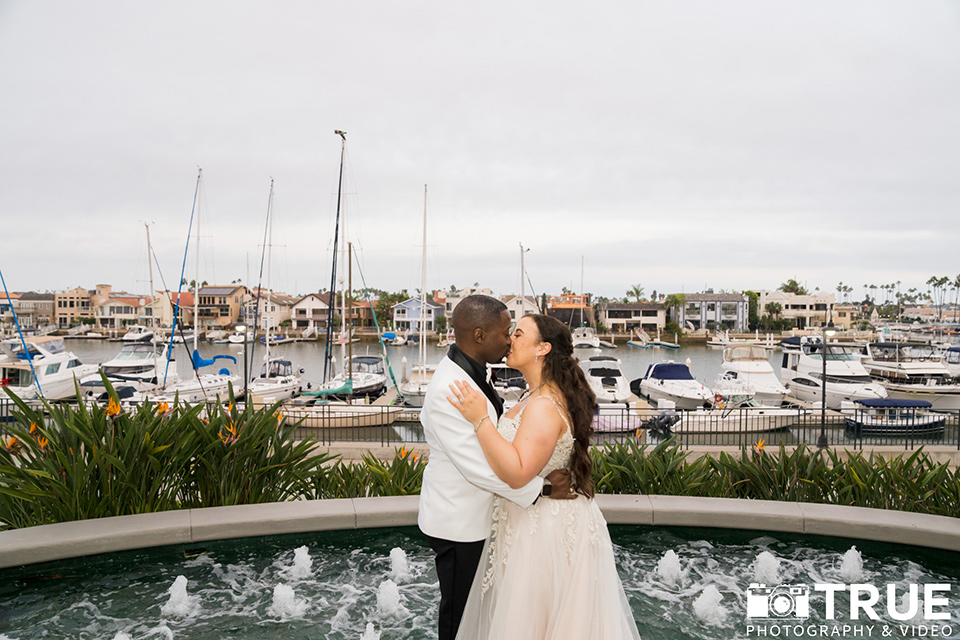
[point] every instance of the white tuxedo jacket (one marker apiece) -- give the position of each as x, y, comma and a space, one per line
456, 500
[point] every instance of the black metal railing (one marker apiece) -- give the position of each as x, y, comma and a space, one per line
387, 425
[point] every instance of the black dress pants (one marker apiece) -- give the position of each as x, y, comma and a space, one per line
457, 564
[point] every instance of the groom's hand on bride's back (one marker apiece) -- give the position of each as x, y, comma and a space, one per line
561, 487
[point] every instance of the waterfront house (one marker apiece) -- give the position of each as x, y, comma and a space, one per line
406, 315
309, 313
221, 306
6, 312
572, 309
624, 317
73, 306
807, 311
450, 299
122, 309
520, 307
35, 310
713, 312
278, 305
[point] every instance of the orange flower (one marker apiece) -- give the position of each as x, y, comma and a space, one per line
113, 408
759, 447
33, 427
403, 452
163, 408
43, 442
11, 443
279, 417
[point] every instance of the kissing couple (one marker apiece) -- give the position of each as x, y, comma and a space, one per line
522, 550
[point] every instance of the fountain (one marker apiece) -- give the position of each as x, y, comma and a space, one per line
376, 584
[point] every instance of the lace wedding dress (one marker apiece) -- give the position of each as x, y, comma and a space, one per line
547, 571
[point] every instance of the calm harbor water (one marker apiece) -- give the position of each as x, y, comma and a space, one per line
704, 361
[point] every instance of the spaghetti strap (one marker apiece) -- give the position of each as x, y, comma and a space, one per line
560, 409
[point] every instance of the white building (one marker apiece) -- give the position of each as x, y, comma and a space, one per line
520, 307
310, 312
807, 311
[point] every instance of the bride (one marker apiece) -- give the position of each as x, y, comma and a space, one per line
547, 571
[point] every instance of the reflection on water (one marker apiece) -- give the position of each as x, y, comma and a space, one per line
681, 583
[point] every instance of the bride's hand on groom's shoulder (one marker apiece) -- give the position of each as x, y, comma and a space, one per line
471, 404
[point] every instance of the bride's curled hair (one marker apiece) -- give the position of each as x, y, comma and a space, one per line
562, 369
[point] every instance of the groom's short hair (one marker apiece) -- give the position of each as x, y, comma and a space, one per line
476, 311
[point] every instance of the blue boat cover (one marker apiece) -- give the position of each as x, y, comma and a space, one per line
390, 336
954, 349
200, 361
671, 371
895, 402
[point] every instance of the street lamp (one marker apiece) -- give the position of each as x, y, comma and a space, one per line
243, 328
827, 331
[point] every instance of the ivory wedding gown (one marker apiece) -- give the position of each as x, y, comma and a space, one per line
547, 572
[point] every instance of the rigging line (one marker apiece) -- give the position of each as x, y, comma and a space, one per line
534, 292
376, 325
332, 300
23, 340
173, 329
256, 312
183, 267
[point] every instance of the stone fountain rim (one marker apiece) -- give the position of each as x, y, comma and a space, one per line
31, 545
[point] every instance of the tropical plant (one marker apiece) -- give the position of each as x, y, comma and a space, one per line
792, 286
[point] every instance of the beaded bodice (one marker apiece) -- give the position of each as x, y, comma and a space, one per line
560, 458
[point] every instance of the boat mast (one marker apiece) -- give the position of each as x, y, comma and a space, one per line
422, 353
153, 307
583, 297
196, 283
350, 287
269, 314
523, 291
332, 295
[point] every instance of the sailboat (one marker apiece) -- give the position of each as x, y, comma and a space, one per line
202, 387
138, 366
413, 388
326, 413
277, 379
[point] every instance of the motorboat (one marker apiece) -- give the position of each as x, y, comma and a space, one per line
448, 339
341, 415
913, 371
749, 364
737, 413
239, 336
508, 382
801, 372
40, 366
278, 380
585, 338
951, 358
202, 387
137, 333
892, 416
606, 379
139, 366
673, 382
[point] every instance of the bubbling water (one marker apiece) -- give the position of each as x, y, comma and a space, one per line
707, 606
668, 568
399, 567
302, 563
285, 603
851, 567
180, 602
371, 633
388, 600
767, 569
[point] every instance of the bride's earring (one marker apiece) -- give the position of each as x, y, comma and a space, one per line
536, 358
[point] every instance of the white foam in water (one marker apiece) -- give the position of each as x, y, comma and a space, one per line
388, 600
302, 563
707, 606
767, 569
371, 633
668, 568
399, 567
851, 567
285, 603
180, 603
121, 636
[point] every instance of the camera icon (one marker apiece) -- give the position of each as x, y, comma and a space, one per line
782, 601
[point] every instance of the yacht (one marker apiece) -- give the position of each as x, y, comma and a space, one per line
890, 416
202, 387
140, 366
367, 377
749, 364
801, 371
585, 338
508, 382
43, 369
737, 413
137, 333
913, 371
606, 379
277, 381
951, 358
672, 381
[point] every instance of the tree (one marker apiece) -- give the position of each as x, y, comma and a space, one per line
636, 292
792, 286
774, 309
675, 301
753, 302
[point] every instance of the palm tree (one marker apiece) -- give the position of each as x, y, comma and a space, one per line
773, 309
675, 301
636, 292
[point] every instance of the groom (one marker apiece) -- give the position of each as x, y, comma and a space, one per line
458, 485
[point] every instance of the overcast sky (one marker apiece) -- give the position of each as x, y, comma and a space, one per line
675, 145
